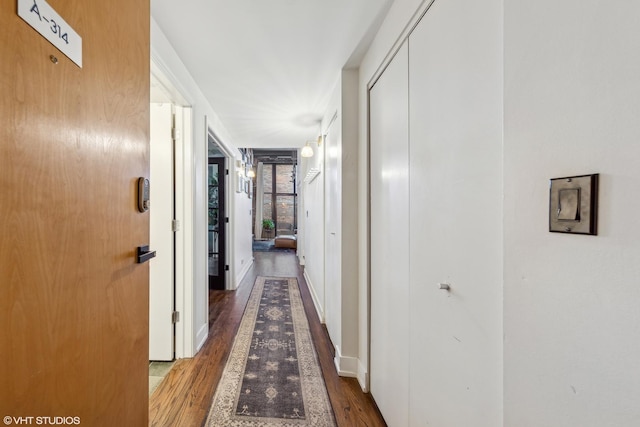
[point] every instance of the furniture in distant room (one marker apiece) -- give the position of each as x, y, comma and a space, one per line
286, 241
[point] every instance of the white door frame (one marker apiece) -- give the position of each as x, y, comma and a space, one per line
184, 183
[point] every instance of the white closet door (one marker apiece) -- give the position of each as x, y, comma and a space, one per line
389, 153
456, 214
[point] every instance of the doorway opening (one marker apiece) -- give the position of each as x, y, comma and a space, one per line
216, 214
218, 237
171, 333
161, 234
275, 205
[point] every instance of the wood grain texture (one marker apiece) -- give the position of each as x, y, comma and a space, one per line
185, 395
73, 303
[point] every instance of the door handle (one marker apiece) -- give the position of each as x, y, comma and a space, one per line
143, 254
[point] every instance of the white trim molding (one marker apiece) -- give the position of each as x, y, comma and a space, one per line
201, 338
363, 376
314, 297
243, 273
346, 366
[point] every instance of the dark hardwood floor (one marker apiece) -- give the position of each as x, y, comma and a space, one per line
184, 397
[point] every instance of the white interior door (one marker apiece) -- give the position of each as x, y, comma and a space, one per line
389, 175
456, 209
161, 273
333, 249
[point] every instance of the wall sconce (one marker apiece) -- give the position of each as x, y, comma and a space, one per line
239, 167
251, 173
307, 151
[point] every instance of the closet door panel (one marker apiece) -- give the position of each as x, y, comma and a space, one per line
456, 213
389, 179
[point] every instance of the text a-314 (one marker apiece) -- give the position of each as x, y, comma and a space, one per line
55, 28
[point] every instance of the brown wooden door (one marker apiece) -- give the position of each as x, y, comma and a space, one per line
73, 141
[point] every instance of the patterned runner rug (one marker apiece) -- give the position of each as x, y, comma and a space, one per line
272, 377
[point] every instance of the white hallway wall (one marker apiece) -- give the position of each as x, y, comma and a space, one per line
241, 218
340, 126
197, 289
332, 207
349, 221
242, 235
330, 224
571, 303
313, 218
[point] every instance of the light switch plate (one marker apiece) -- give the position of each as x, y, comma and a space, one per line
573, 205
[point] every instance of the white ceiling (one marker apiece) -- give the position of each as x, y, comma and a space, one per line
268, 67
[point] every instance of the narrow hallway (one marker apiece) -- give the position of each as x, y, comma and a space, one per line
185, 395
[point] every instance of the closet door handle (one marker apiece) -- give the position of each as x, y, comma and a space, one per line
143, 254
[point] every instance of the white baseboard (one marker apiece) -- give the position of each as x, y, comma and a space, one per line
314, 297
243, 272
363, 377
201, 337
346, 366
